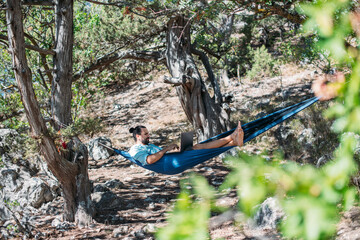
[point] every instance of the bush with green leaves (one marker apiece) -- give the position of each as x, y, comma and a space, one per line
303, 49
311, 198
262, 64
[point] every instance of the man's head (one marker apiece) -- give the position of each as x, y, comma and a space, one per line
140, 134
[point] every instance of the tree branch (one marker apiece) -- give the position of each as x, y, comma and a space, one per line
176, 81
16, 113
293, 17
214, 82
143, 56
211, 52
263, 11
4, 117
118, 3
31, 47
38, 2
43, 60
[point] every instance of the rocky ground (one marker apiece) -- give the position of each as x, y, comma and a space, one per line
133, 202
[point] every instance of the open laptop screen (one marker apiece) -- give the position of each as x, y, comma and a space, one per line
186, 140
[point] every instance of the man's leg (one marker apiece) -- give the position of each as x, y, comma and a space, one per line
234, 139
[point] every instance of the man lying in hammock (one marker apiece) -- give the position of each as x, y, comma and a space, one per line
147, 153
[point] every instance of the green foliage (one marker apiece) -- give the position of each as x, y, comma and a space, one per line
311, 198
263, 64
103, 30
11, 204
88, 126
190, 216
38, 28
21, 143
10, 103
303, 49
1, 164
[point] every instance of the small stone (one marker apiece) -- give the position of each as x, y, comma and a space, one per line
122, 230
139, 234
150, 228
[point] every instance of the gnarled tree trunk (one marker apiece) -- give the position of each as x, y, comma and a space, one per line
72, 172
207, 117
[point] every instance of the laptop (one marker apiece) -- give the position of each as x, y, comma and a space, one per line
186, 141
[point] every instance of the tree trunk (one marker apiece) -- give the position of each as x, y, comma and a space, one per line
72, 175
61, 85
207, 117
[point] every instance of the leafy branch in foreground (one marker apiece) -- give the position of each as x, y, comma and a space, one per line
312, 198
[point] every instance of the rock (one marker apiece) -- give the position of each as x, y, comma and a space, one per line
4, 233
149, 228
105, 200
145, 84
100, 188
140, 234
54, 186
248, 105
208, 169
7, 139
284, 132
49, 208
114, 183
322, 160
263, 103
228, 97
62, 225
161, 200
96, 149
269, 214
37, 191
22, 191
122, 230
306, 137
148, 199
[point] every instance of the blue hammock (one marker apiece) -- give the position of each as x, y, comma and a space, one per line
177, 162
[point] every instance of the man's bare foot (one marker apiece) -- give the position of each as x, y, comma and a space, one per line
238, 136
234, 135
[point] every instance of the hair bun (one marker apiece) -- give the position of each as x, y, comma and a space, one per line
131, 130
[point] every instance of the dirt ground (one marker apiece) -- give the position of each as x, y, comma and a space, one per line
145, 198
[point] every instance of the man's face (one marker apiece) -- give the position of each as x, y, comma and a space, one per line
144, 137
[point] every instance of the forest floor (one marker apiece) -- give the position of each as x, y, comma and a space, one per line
145, 198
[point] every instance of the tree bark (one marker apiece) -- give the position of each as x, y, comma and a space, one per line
72, 175
61, 85
78, 205
207, 117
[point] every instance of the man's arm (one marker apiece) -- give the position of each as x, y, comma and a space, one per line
153, 158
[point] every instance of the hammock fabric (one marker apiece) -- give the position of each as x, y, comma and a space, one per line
174, 163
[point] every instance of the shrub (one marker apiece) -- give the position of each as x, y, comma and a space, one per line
263, 64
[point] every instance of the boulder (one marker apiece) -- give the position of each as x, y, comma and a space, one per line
114, 183
269, 214
97, 150
100, 188
22, 191
37, 192
7, 139
105, 200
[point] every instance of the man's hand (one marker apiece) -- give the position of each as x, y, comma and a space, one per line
153, 158
171, 147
